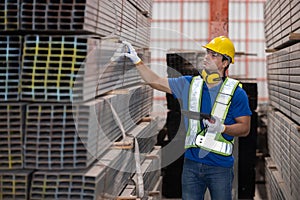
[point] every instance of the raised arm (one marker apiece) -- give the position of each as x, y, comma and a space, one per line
150, 77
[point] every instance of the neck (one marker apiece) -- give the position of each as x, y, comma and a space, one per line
211, 78
211, 85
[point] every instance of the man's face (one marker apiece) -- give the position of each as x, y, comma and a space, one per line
213, 61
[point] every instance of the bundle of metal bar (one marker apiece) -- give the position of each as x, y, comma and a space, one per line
90, 16
156, 193
71, 68
275, 182
151, 170
146, 134
294, 157
107, 19
131, 104
133, 25
66, 136
283, 79
10, 58
104, 179
9, 15
128, 19
142, 31
282, 156
11, 135
141, 103
151, 176
50, 65
130, 75
51, 140
281, 19
284, 146
143, 6
14, 184
121, 166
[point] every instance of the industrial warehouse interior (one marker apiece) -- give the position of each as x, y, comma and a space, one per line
80, 121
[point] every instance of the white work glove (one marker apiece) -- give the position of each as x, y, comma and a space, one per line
214, 127
131, 54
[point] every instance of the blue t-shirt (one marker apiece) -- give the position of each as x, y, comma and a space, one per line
239, 107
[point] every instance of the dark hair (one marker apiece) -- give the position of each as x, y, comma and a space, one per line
225, 57
229, 60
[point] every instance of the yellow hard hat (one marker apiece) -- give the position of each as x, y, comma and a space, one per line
222, 45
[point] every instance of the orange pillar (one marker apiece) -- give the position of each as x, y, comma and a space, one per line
218, 24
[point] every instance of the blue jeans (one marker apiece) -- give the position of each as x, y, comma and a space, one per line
197, 177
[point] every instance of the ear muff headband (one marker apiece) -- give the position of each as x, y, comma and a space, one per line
210, 77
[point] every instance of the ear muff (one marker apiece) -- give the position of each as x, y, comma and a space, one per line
210, 77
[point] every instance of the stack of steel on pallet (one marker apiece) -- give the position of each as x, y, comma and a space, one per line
283, 64
65, 104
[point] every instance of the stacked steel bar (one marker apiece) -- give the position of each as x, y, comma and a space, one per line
11, 135
88, 16
283, 78
71, 68
141, 103
103, 180
151, 170
283, 148
128, 19
10, 59
294, 144
151, 177
294, 74
279, 150
51, 140
275, 182
50, 65
146, 134
143, 6
14, 184
129, 112
133, 24
66, 136
9, 15
281, 19
283, 66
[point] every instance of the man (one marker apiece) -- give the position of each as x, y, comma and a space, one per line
209, 143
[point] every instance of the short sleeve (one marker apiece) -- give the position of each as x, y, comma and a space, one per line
240, 103
179, 86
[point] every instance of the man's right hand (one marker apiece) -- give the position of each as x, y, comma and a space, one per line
131, 54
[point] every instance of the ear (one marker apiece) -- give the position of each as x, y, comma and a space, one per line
225, 63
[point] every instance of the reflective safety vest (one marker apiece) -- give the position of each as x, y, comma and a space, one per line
196, 137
